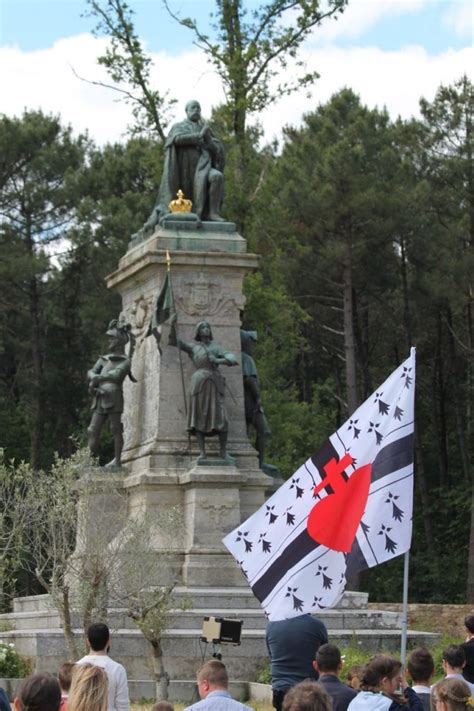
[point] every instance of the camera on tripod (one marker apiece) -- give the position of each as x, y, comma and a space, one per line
221, 630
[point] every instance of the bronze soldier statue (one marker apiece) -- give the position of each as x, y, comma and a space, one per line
106, 384
254, 414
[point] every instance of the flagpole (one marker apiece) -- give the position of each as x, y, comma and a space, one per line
168, 269
403, 650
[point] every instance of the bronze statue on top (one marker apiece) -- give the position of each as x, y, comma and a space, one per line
105, 383
207, 414
194, 164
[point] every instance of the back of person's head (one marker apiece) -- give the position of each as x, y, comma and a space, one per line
162, 706
39, 692
214, 673
420, 665
377, 669
454, 656
89, 689
469, 623
354, 675
307, 696
65, 675
98, 636
454, 693
328, 658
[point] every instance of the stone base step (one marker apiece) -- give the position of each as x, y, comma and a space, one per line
208, 598
193, 619
184, 651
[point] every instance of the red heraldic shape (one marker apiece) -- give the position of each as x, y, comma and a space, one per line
333, 522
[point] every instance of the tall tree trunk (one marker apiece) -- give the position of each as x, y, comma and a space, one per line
439, 410
64, 609
162, 679
37, 410
349, 336
457, 381
470, 559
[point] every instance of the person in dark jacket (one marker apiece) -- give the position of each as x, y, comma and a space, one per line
4, 702
328, 663
468, 647
292, 645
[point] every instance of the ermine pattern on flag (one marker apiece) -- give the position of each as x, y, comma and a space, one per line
348, 507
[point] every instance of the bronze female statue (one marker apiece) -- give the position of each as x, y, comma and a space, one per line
207, 414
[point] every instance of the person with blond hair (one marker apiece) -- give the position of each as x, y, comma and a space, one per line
89, 689
452, 694
307, 696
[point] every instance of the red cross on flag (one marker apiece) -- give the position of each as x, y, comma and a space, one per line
347, 508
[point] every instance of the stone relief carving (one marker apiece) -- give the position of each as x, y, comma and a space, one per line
218, 513
139, 314
203, 296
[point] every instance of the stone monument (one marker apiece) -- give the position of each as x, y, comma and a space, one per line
208, 260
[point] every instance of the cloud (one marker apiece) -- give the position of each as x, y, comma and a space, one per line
361, 15
44, 79
459, 17
396, 80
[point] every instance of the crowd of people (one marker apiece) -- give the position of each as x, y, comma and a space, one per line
306, 676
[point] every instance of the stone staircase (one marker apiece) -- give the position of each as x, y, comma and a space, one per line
34, 627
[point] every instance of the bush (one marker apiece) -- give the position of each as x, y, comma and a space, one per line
12, 666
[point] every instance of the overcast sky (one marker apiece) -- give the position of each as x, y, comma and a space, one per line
391, 52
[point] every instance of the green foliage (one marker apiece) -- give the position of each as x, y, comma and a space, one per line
129, 66
12, 665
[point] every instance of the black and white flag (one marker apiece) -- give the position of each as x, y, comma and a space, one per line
347, 508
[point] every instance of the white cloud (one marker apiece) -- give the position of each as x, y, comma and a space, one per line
459, 17
361, 15
44, 79
396, 80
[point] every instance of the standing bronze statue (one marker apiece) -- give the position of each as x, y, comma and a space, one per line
194, 164
207, 413
254, 414
106, 384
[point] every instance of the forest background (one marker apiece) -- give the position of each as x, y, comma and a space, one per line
365, 228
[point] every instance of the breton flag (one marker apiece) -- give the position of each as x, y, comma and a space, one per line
347, 508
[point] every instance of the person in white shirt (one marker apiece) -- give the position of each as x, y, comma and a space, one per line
98, 641
453, 663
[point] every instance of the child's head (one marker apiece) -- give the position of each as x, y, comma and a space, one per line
65, 676
451, 695
420, 666
382, 673
162, 706
307, 696
39, 691
354, 675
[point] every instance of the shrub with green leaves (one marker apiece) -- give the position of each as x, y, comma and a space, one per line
12, 665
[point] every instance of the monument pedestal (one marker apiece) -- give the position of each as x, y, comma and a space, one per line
208, 266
